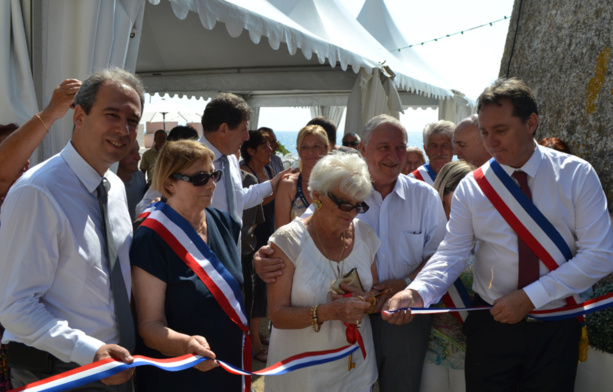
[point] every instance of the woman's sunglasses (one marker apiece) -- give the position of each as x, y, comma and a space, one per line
344, 206
199, 179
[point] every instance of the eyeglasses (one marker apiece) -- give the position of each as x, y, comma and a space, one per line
347, 207
351, 144
199, 179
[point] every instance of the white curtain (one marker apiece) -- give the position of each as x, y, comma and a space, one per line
255, 118
334, 113
455, 109
17, 96
73, 39
371, 97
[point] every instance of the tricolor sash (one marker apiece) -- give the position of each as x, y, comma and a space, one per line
189, 246
457, 297
524, 217
424, 173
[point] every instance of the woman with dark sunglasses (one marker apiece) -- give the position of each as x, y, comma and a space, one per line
184, 256
320, 252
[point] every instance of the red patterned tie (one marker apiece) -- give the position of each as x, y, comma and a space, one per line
528, 265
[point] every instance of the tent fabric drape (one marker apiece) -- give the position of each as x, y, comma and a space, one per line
85, 36
77, 38
370, 97
334, 113
17, 95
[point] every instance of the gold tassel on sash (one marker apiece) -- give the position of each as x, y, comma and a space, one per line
584, 344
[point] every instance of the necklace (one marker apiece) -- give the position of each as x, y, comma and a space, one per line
338, 274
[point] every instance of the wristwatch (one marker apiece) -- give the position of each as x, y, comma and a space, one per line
408, 281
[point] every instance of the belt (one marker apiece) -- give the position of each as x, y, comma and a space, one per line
21, 356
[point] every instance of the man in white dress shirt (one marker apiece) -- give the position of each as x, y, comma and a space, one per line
505, 350
408, 217
224, 123
56, 299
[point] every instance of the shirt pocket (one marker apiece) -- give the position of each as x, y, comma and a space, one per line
411, 248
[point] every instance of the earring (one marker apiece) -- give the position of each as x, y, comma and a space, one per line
317, 204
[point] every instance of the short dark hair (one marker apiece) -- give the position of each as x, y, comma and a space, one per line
182, 132
256, 138
87, 93
513, 89
225, 108
6, 130
328, 126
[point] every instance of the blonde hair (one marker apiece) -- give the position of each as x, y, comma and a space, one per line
174, 157
316, 130
449, 177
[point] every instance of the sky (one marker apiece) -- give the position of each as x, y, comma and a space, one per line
469, 61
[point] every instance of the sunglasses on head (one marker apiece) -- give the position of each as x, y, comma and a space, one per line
347, 207
199, 179
351, 144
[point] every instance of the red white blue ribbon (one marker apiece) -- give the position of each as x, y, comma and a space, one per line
570, 311
109, 367
424, 173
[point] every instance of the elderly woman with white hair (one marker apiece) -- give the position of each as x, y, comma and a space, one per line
319, 252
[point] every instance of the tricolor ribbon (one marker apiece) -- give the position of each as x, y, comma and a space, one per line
108, 367
575, 310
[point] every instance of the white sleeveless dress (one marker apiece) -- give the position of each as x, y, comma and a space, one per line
311, 286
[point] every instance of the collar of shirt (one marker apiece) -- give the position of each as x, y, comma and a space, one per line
88, 176
398, 189
205, 141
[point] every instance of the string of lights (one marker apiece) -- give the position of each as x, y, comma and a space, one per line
451, 35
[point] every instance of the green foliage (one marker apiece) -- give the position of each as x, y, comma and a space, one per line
282, 148
600, 324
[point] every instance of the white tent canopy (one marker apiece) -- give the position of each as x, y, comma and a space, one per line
377, 20
257, 50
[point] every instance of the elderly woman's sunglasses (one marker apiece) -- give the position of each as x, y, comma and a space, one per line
199, 179
344, 206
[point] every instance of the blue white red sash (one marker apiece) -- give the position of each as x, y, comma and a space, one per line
108, 367
194, 252
424, 173
457, 297
524, 217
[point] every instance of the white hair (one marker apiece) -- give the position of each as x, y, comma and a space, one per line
443, 127
347, 172
377, 121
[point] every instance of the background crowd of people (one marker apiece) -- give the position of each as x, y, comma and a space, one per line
207, 246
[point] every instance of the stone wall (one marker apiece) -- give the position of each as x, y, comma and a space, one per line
562, 50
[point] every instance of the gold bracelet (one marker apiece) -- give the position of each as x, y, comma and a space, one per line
314, 321
41, 120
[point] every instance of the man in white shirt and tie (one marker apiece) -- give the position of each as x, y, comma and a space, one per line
506, 351
224, 123
64, 289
